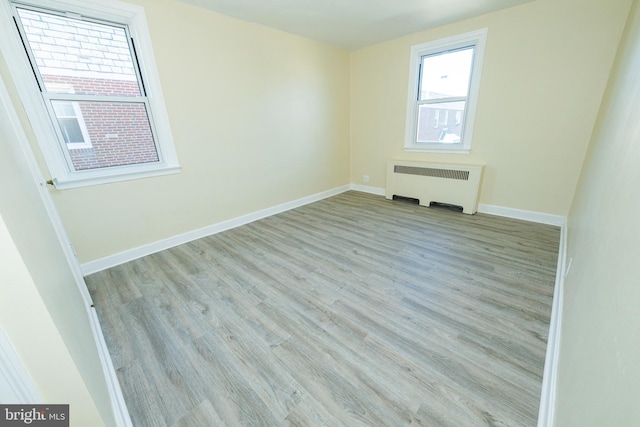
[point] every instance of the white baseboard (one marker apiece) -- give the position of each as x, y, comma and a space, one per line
16, 384
550, 375
541, 217
547, 399
118, 405
151, 248
367, 189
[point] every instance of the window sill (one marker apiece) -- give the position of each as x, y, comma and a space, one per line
432, 149
89, 179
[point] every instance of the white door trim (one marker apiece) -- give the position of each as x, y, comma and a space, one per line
21, 143
16, 385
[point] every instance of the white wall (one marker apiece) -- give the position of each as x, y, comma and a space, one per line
599, 369
41, 308
545, 69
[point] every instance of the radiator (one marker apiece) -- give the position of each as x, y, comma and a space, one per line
450, 184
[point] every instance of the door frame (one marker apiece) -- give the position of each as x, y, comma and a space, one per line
24, 383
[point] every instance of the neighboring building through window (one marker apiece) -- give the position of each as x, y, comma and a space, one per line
92, 87
70, 120
71, 124
444, 83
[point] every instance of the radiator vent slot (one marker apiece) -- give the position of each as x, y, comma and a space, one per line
437, 173
439, 183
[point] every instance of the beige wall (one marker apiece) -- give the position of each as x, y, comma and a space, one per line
41, 308
545, 69
25, 319
599, 369
259, 118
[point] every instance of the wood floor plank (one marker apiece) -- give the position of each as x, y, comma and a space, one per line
353, 311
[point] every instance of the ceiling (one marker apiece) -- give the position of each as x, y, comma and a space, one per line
353, 24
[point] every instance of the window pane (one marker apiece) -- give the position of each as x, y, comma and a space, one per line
71, 131
120, 134
63, 109
81, 57
440, 122
446, 74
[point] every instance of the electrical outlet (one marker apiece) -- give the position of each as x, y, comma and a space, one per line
365, 178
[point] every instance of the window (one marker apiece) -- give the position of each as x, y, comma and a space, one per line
444, 80
71, 123
97, 111
70, 120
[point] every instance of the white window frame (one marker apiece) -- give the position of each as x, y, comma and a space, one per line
63, 88
77, 115
62, 175
474, 38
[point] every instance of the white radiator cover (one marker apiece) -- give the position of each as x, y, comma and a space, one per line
454, 184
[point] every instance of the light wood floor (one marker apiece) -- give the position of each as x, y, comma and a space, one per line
352, 311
